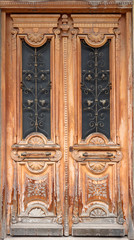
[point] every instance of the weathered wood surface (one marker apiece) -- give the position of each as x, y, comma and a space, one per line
67, 175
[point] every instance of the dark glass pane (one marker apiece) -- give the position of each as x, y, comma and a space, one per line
36, 89
95, 88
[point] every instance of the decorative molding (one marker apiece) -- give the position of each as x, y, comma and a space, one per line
96, 21
66, 146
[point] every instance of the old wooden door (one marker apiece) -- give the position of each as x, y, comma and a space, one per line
67, 128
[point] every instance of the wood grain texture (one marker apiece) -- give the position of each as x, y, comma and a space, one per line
67, 181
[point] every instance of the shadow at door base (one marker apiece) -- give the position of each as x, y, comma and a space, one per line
101, 230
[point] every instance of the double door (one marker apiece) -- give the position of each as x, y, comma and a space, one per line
67, 125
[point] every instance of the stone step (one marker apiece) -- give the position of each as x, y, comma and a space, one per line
100, 230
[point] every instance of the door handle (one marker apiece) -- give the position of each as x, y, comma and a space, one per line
107, 154
24, 154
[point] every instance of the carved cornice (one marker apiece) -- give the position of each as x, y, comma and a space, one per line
96, 20
32, 27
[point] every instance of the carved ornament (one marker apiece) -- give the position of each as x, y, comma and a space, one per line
120, 217
97, 167
98, 212
37, 212
97, 188
35, 147
36, 167
96, 39
103, 156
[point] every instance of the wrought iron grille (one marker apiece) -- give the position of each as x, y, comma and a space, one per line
36, 89
95, 86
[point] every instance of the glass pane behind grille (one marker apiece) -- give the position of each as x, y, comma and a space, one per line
95, 86
36, 89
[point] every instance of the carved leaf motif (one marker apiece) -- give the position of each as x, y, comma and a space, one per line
36, 165
97, 166
35, 37
36, 141
97, 141
96, 37
37, 212
98, 212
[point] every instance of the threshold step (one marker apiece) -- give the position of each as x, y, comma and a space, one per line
36, 229
98, 230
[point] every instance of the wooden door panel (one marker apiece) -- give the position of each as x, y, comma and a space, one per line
72, 181
36, 156
97, 159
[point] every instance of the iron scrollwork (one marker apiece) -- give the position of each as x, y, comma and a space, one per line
36, 87
95, 86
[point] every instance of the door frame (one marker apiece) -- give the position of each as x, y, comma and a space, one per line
64, 7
